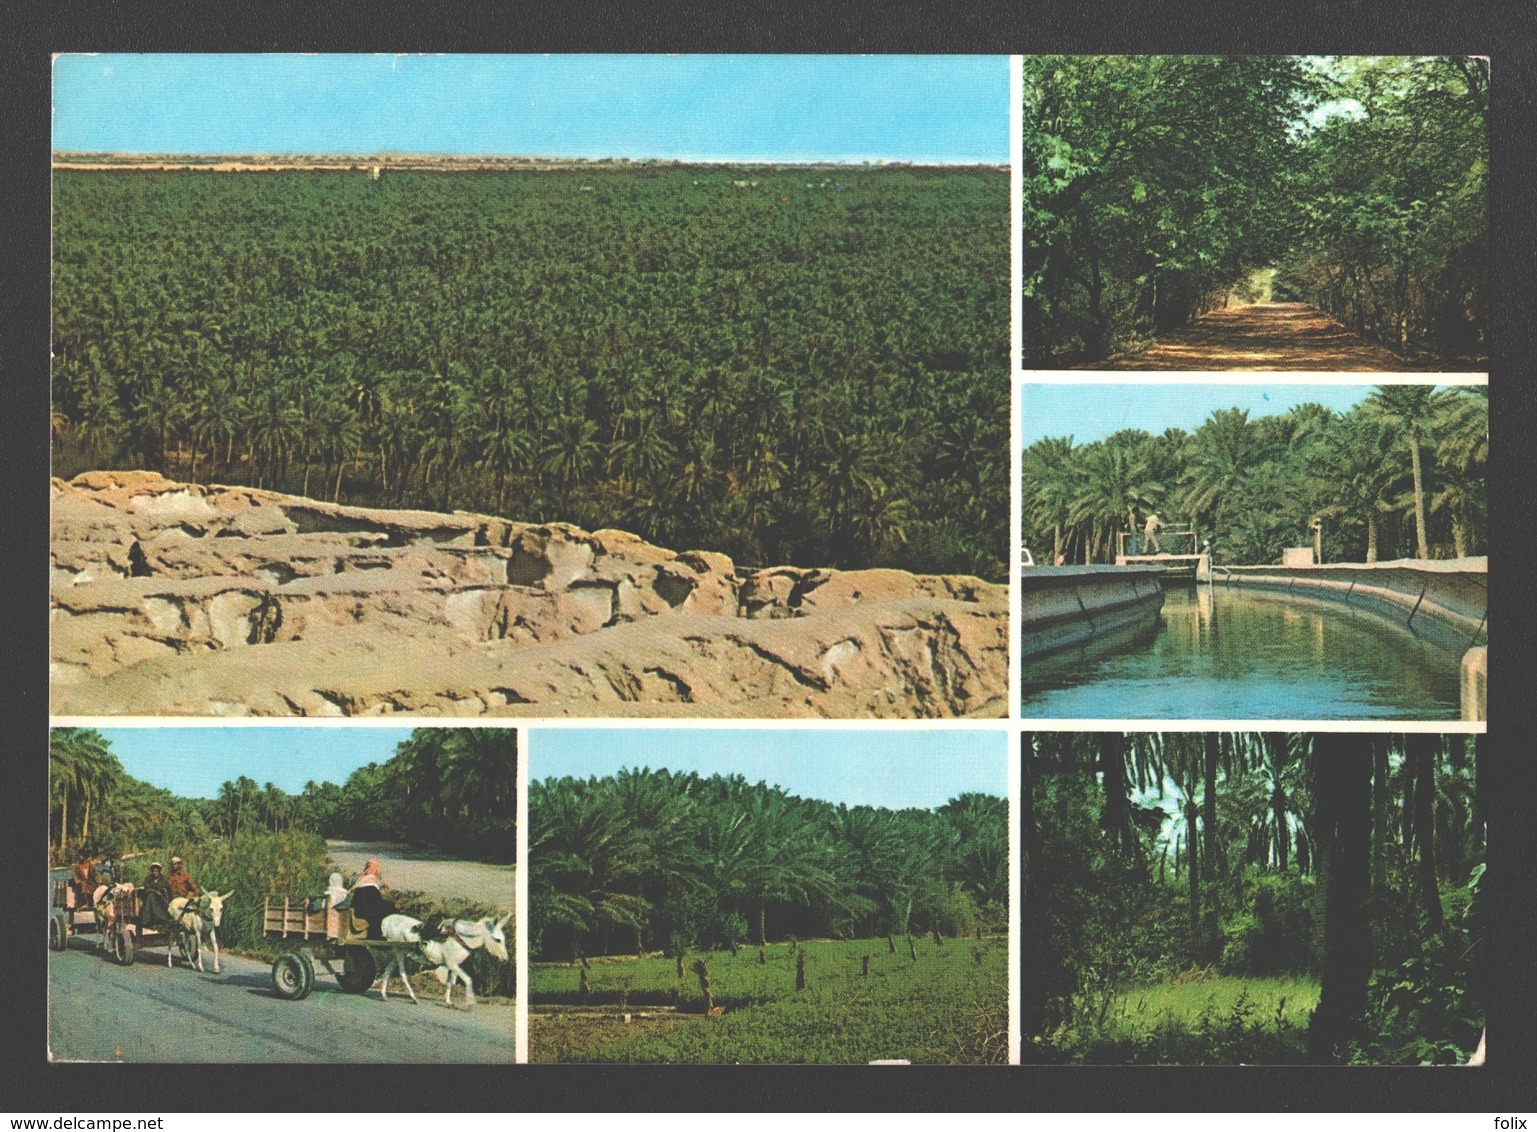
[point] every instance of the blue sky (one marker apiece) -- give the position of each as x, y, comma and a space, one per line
895, 769
195, 761
1094, 411
704, 107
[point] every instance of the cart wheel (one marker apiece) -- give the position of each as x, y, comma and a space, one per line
122, 946
288, 976
309, 971
358, 970
58, 932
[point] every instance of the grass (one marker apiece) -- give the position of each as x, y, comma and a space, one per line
1196, 1019
950, 1005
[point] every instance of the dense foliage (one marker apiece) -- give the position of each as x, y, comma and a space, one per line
809, 366
653, 860
1402, 474
1158, 187
453, 788
258, 864
1184, 898
938, 1003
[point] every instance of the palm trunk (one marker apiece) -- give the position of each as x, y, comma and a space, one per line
1382, 818
1192, 867
1419, 496
1032, 991
1371, 538
1422, 749
1276, 740
1342, 801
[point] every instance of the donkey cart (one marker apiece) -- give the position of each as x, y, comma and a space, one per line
128, 932
68, 918
332, 935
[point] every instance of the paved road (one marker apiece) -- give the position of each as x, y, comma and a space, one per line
1262, 336
423, 870
98, 1011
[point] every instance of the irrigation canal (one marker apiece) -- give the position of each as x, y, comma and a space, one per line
1221, 652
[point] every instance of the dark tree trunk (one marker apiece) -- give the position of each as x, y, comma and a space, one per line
1211, 845
1382, 820
1116, 816
1096, 338
1342, 766
1193, 868
1032, 996
1209, 807
1422, 749
1275, 741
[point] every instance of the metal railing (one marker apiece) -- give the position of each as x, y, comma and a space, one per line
1171, 540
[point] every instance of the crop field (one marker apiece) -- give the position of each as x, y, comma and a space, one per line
947, 1006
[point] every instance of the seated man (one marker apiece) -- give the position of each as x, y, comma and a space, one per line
368, 903
154, 898
85, 881
181, 882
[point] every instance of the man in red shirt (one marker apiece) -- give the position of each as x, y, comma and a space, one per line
85, 880
181, 882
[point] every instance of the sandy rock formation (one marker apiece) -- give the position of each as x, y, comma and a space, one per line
176, 599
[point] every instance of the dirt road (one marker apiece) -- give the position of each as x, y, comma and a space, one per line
1262, 336
422, 870
99, 1011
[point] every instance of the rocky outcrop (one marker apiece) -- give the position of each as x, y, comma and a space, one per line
177, 599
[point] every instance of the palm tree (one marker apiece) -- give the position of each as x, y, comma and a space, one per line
1355, 477
1115, 485
1047, 479
1222, 450
571, 452
1462, 456
82, 771
760, 848
478, 786
1410, 409
585, 859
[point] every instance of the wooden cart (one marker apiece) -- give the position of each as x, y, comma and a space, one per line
67, 918
126, 934
314, 930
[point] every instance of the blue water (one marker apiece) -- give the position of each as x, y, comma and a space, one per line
1223, 653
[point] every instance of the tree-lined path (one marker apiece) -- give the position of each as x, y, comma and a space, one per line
1262, 336
1158, 187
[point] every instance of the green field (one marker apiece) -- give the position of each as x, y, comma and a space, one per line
950, 1005
1202, 1019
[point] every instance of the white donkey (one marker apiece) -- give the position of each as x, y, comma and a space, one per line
188, 927
202, 919
446, 953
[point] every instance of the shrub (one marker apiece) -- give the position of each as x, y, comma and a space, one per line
1270, 935
253, 866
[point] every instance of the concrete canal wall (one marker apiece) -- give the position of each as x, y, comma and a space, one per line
1068, 605
1451, 594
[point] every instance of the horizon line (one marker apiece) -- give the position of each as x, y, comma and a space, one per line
376, 155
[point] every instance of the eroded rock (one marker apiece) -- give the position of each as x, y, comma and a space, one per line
171, 598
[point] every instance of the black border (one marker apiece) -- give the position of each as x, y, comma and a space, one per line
1501, 28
